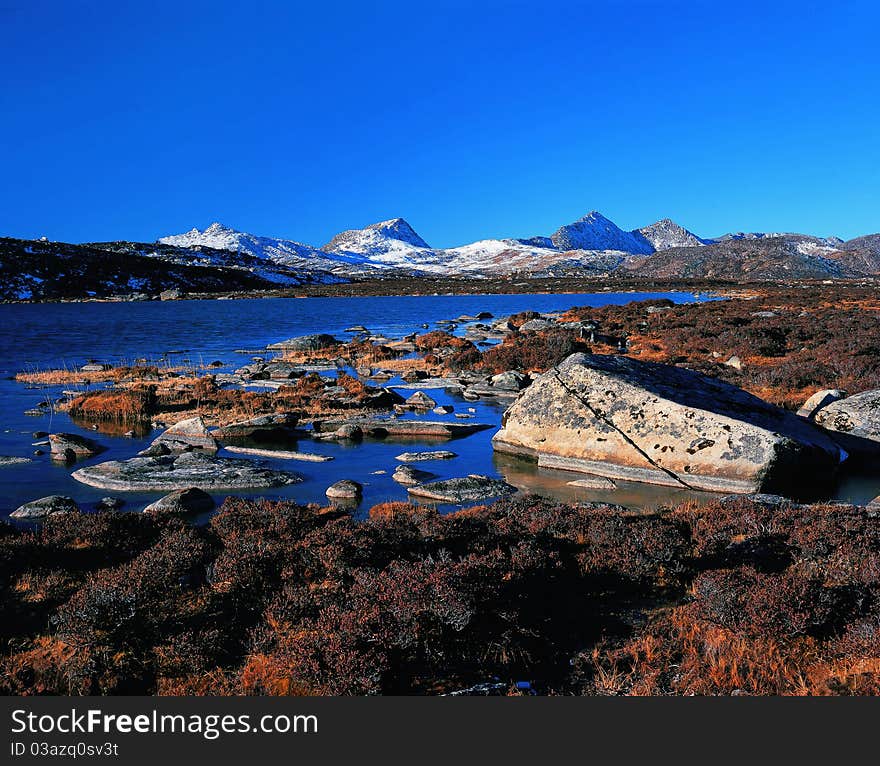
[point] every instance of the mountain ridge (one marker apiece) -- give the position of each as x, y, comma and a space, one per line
221, 257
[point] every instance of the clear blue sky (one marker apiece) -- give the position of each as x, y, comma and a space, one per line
469, 119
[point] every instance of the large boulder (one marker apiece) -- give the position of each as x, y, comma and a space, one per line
853, 422
191, 469
44, 507
624, 419
186, 435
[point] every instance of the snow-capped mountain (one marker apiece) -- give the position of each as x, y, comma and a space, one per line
595, 232
591, 245
667, 233
280, 252
387, 243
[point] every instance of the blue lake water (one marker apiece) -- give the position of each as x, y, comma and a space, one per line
49, 336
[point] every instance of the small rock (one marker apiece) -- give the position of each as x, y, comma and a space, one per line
305, 343
417, 457
463, 490
345, 489
420, 401
443, 409
819, 400
11, 460
109, 504
189, 500
70, 447
511, 380
349, 431
409, 476
734, 362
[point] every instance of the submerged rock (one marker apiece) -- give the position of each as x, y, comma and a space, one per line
593, 482
189, 500
387, 428
463, 490
10, 460
623, 419
44, 507
416, 457
190, 469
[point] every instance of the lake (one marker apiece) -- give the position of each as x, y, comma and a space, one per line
49, 336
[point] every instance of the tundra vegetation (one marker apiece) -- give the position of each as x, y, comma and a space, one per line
736, 596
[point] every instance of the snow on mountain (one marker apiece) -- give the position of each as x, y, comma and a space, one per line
595, 232
388, 243
592, 244
282, 252
503, 256
666, 233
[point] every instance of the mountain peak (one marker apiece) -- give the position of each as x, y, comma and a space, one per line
596, 232
393, 235
217, 228
398, 228
666, 233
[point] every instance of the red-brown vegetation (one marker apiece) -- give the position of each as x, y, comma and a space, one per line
276, 598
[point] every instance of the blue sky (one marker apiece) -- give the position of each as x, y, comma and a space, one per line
470, 120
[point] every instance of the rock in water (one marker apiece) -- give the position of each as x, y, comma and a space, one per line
191, 469
70, 447
349, 431
463, 490
417, 457
853, 422
819, 400
346, 489
620, 418
409, 476
420, 401
264, 427
189, 500
188, 434
305, 343
45, 506
10, 460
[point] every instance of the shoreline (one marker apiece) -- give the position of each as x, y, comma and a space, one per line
418, 287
